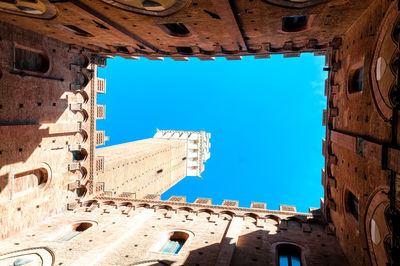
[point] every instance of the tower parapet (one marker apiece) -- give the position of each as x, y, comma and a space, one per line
197, 148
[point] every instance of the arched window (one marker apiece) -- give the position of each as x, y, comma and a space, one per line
76, 230
175, 242
356, 80
294, 23
30, 179
288, 255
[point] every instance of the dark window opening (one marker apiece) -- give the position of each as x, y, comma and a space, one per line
175, 243
99, 25
78, 156
81, 79
289, 255
122, 49
184, 158
175, 29
81, 191
159, 171
294, 23
141, 46
76, 230
184, 50
78, 31
31, 61
356, 80
213, 15
352, 203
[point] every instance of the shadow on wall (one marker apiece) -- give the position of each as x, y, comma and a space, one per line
35, 74
291, 246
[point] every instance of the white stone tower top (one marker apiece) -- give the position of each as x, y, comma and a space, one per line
198, 148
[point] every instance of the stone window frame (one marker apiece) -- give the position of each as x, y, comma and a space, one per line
164, 236
275, 253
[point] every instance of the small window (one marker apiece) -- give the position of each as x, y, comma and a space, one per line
31, 61
78, 31
184, 50
356, 80
175, 242
352, 205
76, 230
289, 255
294, 23
122, 49
175, 29
78, 155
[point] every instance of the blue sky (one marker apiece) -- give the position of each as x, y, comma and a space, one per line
264, 116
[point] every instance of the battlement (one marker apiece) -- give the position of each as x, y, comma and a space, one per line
175, 203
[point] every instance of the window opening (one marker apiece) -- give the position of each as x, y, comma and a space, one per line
294, 23
356, 81
289, 255
31, 61
175, 243
184, 50
122, 49
213, 15
78, 31
76, 230
30, 179
99, 25
78, 156
352, 205
175, 29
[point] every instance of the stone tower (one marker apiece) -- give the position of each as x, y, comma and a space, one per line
152, 166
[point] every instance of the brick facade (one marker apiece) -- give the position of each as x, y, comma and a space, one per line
53, 181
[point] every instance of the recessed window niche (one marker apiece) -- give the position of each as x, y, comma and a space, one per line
30, 60
295, 23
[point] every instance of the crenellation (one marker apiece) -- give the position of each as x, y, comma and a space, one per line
65, 202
